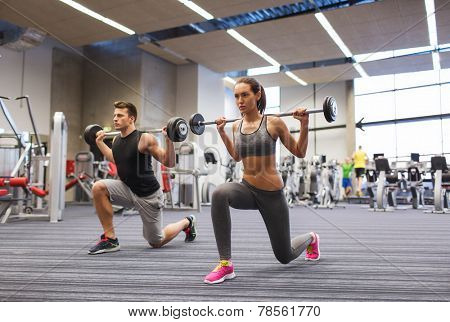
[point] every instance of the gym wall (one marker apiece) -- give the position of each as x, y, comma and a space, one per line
27, 73
332, 142
66, 95
116, 75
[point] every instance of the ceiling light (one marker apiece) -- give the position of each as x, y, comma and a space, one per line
431, 21
97, 16
338, 41
297, 79
233, 33
251, 46
411, 51
229, 80
373, 56
194, 7
263, 70
360, 70
364, 58
432, 32
333, 34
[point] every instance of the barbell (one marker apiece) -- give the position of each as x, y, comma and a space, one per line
329, 109
177, 131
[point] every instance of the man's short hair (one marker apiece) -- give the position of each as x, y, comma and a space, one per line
131, 109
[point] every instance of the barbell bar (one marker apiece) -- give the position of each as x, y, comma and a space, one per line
177, 131
329, 109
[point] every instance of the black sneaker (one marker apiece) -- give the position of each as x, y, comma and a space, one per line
105, 245
191, 231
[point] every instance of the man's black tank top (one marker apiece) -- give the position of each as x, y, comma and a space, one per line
134, 168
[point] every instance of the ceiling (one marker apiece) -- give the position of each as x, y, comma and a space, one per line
443, 20
292, 40
327, 74
221, 8
383, 25
215, 50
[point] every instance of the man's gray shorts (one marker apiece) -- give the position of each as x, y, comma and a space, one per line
150, 207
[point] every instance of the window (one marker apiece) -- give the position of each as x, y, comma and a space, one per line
377, 139
445, 75
424, 137
375, 107
446, 138
407, 80
445, 98
417, 102
374, 84
400, 96
272, 96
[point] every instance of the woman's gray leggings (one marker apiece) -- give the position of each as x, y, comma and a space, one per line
274, 209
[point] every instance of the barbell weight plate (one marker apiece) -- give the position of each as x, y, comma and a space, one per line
170, 128
90, 133
179, 130
330, 109
194, 124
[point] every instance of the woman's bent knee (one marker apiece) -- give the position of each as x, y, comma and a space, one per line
220, 194
283, 258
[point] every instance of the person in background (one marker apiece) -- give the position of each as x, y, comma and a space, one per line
359, 159
347, 168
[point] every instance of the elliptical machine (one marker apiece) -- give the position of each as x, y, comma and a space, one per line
415, 182
314, 178
371, 177
212, 161
387, 186
330, 191
291, 181
441, 183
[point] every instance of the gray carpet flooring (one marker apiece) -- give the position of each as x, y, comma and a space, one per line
366, 256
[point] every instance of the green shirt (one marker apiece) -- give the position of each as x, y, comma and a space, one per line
346, 169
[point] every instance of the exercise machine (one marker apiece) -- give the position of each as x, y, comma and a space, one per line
441, 184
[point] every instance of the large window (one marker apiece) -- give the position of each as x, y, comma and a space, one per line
272, 97
403, 96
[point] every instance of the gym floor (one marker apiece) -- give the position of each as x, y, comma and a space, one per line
365, 256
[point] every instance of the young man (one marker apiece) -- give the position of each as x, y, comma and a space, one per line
347, 168
360, 159
131, 152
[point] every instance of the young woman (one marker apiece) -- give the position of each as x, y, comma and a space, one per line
253, 142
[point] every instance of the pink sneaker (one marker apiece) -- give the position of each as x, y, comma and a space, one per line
223, 271
313, 251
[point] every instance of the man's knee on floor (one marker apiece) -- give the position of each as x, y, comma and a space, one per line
156, 242
154, 245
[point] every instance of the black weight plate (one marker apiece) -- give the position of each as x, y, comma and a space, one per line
90, 133
330, 109
171, 129
194, 125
